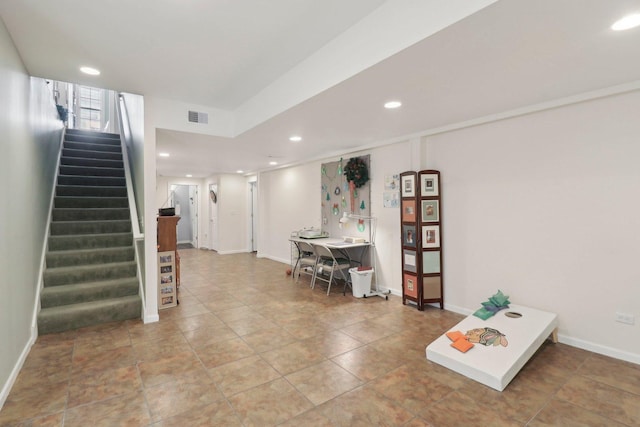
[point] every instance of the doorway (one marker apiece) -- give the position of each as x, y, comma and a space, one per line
184, 198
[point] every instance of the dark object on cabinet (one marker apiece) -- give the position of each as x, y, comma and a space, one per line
167, 211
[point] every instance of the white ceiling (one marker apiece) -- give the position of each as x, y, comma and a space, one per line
225, 54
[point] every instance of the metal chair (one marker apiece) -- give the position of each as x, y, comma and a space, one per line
328, 264
306, 262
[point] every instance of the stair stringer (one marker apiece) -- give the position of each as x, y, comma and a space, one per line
138, 235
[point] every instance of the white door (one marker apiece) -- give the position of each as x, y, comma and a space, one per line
193, 201
213, 217
254, 217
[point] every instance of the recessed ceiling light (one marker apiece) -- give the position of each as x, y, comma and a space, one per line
295, 138
188, 175
273, 163
90, 70
239, 171
163, 154
392, 104
626, 23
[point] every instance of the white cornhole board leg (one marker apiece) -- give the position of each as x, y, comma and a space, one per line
496, 366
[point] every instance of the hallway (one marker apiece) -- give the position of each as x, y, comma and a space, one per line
248, 346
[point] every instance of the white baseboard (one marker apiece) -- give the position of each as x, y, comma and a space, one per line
600, 349
239, 251
151, 318
6, 388
272, 258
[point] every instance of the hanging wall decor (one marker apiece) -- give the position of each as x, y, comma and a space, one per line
357, 174
350, 198
357, 171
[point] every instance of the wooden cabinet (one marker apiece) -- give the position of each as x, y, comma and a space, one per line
421, 238
167, 233
168, 262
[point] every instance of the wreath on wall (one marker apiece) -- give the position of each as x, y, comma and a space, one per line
357, 172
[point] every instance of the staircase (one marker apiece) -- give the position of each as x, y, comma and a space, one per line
91, 273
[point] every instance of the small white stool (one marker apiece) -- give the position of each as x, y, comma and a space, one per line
496, 366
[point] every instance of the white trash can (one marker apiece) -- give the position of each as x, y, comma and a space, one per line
360, 282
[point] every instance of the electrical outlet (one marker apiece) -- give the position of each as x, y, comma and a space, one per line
626, 318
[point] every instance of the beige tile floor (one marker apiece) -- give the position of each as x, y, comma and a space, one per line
248, 346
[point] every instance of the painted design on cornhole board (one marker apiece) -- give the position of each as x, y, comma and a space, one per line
487, 336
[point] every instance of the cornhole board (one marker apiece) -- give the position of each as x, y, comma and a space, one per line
496, 366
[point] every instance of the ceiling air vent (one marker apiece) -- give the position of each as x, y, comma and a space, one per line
196, 117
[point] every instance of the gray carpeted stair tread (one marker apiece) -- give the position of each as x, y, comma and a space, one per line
109, 181
91, 191
89, 256
86, 161
61, 228
89, 202
89, 214
68, 317
93, 140
89, 134
91, 171
87, 273
89, 241
88, 154
88, 146
77, 293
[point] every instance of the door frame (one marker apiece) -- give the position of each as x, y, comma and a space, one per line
194, 212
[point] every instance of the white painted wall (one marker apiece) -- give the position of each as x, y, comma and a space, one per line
170, 114
289, 200
30, 136
163, 183
545, 208
542, 206
232, 214
232, 208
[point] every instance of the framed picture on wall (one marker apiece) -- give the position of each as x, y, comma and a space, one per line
409, 210
408, 186
431, 262
409, 261
409, 235
430, 211
429, 185
430, 236
167, 275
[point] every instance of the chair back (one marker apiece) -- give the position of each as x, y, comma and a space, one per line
305, 248
323, 252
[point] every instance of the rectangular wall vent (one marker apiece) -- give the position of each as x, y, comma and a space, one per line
196, 117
